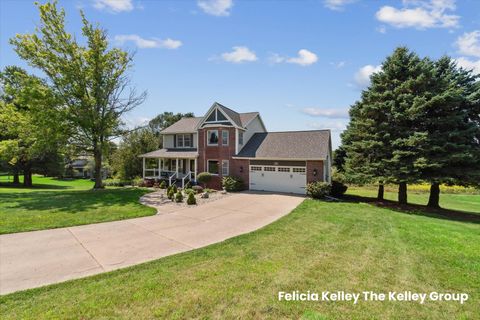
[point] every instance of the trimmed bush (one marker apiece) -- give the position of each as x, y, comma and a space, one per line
163, 184
170, 194
174, 187
318, 190
188, 191
188, 185
197, 189
191, 198
337, 189
204, 178
232, 184
178, 196
138, 182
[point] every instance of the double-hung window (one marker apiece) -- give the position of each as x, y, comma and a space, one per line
212, 137
240, 138
225, 168
184, 141
224, 138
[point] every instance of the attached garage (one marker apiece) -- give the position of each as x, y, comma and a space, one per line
286, 161
278, 178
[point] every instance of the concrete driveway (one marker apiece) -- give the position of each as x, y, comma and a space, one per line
33, 259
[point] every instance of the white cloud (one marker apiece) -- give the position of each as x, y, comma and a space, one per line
239, 54
114, 5
337, 5
469, 43
326, 113
216, 7
339, 64
382, 29
304, 58
334, 125
420, 14
147, 43
468, 64
362, 76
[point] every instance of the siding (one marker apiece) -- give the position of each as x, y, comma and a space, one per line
253, 127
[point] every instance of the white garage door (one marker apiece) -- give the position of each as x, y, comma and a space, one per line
278, 178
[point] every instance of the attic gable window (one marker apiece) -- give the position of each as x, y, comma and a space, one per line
216, 116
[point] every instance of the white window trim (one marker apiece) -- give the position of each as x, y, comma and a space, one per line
228, 168
213, 174
177, 136
216, 117
208, 138
228, 137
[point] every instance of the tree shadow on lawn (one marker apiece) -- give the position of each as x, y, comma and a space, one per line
418, 209
34, 187
72, 201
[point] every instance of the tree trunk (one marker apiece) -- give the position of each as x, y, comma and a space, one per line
434, 198
381, 191
402, 193
16, 179
27, 176
97, 154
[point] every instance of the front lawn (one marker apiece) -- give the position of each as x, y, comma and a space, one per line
469, 202
53, 203
319, 246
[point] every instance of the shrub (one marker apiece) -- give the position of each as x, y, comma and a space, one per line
178, 196
174, 187
197, 189
318, 190
163, 184
232, 184
337, 189
204, 178
170, 194
191, 198
138, 182
188, 191
188, 185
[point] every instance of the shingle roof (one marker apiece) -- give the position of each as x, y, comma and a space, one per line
288, 145
188, 125
184, 125
171, 153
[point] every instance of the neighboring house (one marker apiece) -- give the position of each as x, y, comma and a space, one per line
227, 143
83, 167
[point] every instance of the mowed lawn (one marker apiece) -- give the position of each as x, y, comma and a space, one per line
53, 203
319, 246
453, 201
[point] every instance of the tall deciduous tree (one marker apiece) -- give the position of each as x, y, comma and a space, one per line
32, 122
91, 79
166, 119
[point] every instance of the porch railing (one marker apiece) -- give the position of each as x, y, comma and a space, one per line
156, 172
170, 178
189, 176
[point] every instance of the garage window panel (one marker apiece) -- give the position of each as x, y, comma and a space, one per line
283, 169
299, 170
271, 169
256, 168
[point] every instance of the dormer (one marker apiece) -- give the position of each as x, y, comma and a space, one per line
219, 115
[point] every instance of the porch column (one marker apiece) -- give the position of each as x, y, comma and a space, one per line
195, 169
143, 167
159, 167
176, 165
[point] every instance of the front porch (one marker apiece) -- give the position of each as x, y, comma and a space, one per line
170, 165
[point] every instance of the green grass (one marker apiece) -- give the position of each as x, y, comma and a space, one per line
319, 246
461, 202
53, 203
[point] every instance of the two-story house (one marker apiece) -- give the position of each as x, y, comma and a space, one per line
228, 143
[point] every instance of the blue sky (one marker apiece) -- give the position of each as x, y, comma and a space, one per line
300, 63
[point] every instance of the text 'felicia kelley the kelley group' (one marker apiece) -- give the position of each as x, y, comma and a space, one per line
356, 297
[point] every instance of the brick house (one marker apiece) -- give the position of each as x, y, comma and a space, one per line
227, 143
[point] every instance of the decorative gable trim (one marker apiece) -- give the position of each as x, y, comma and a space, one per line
216, 108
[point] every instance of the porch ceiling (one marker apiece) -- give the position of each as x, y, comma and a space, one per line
171, 153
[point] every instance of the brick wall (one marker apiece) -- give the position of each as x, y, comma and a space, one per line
219, 152
312, 165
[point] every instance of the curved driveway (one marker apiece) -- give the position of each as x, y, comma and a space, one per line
33, 259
